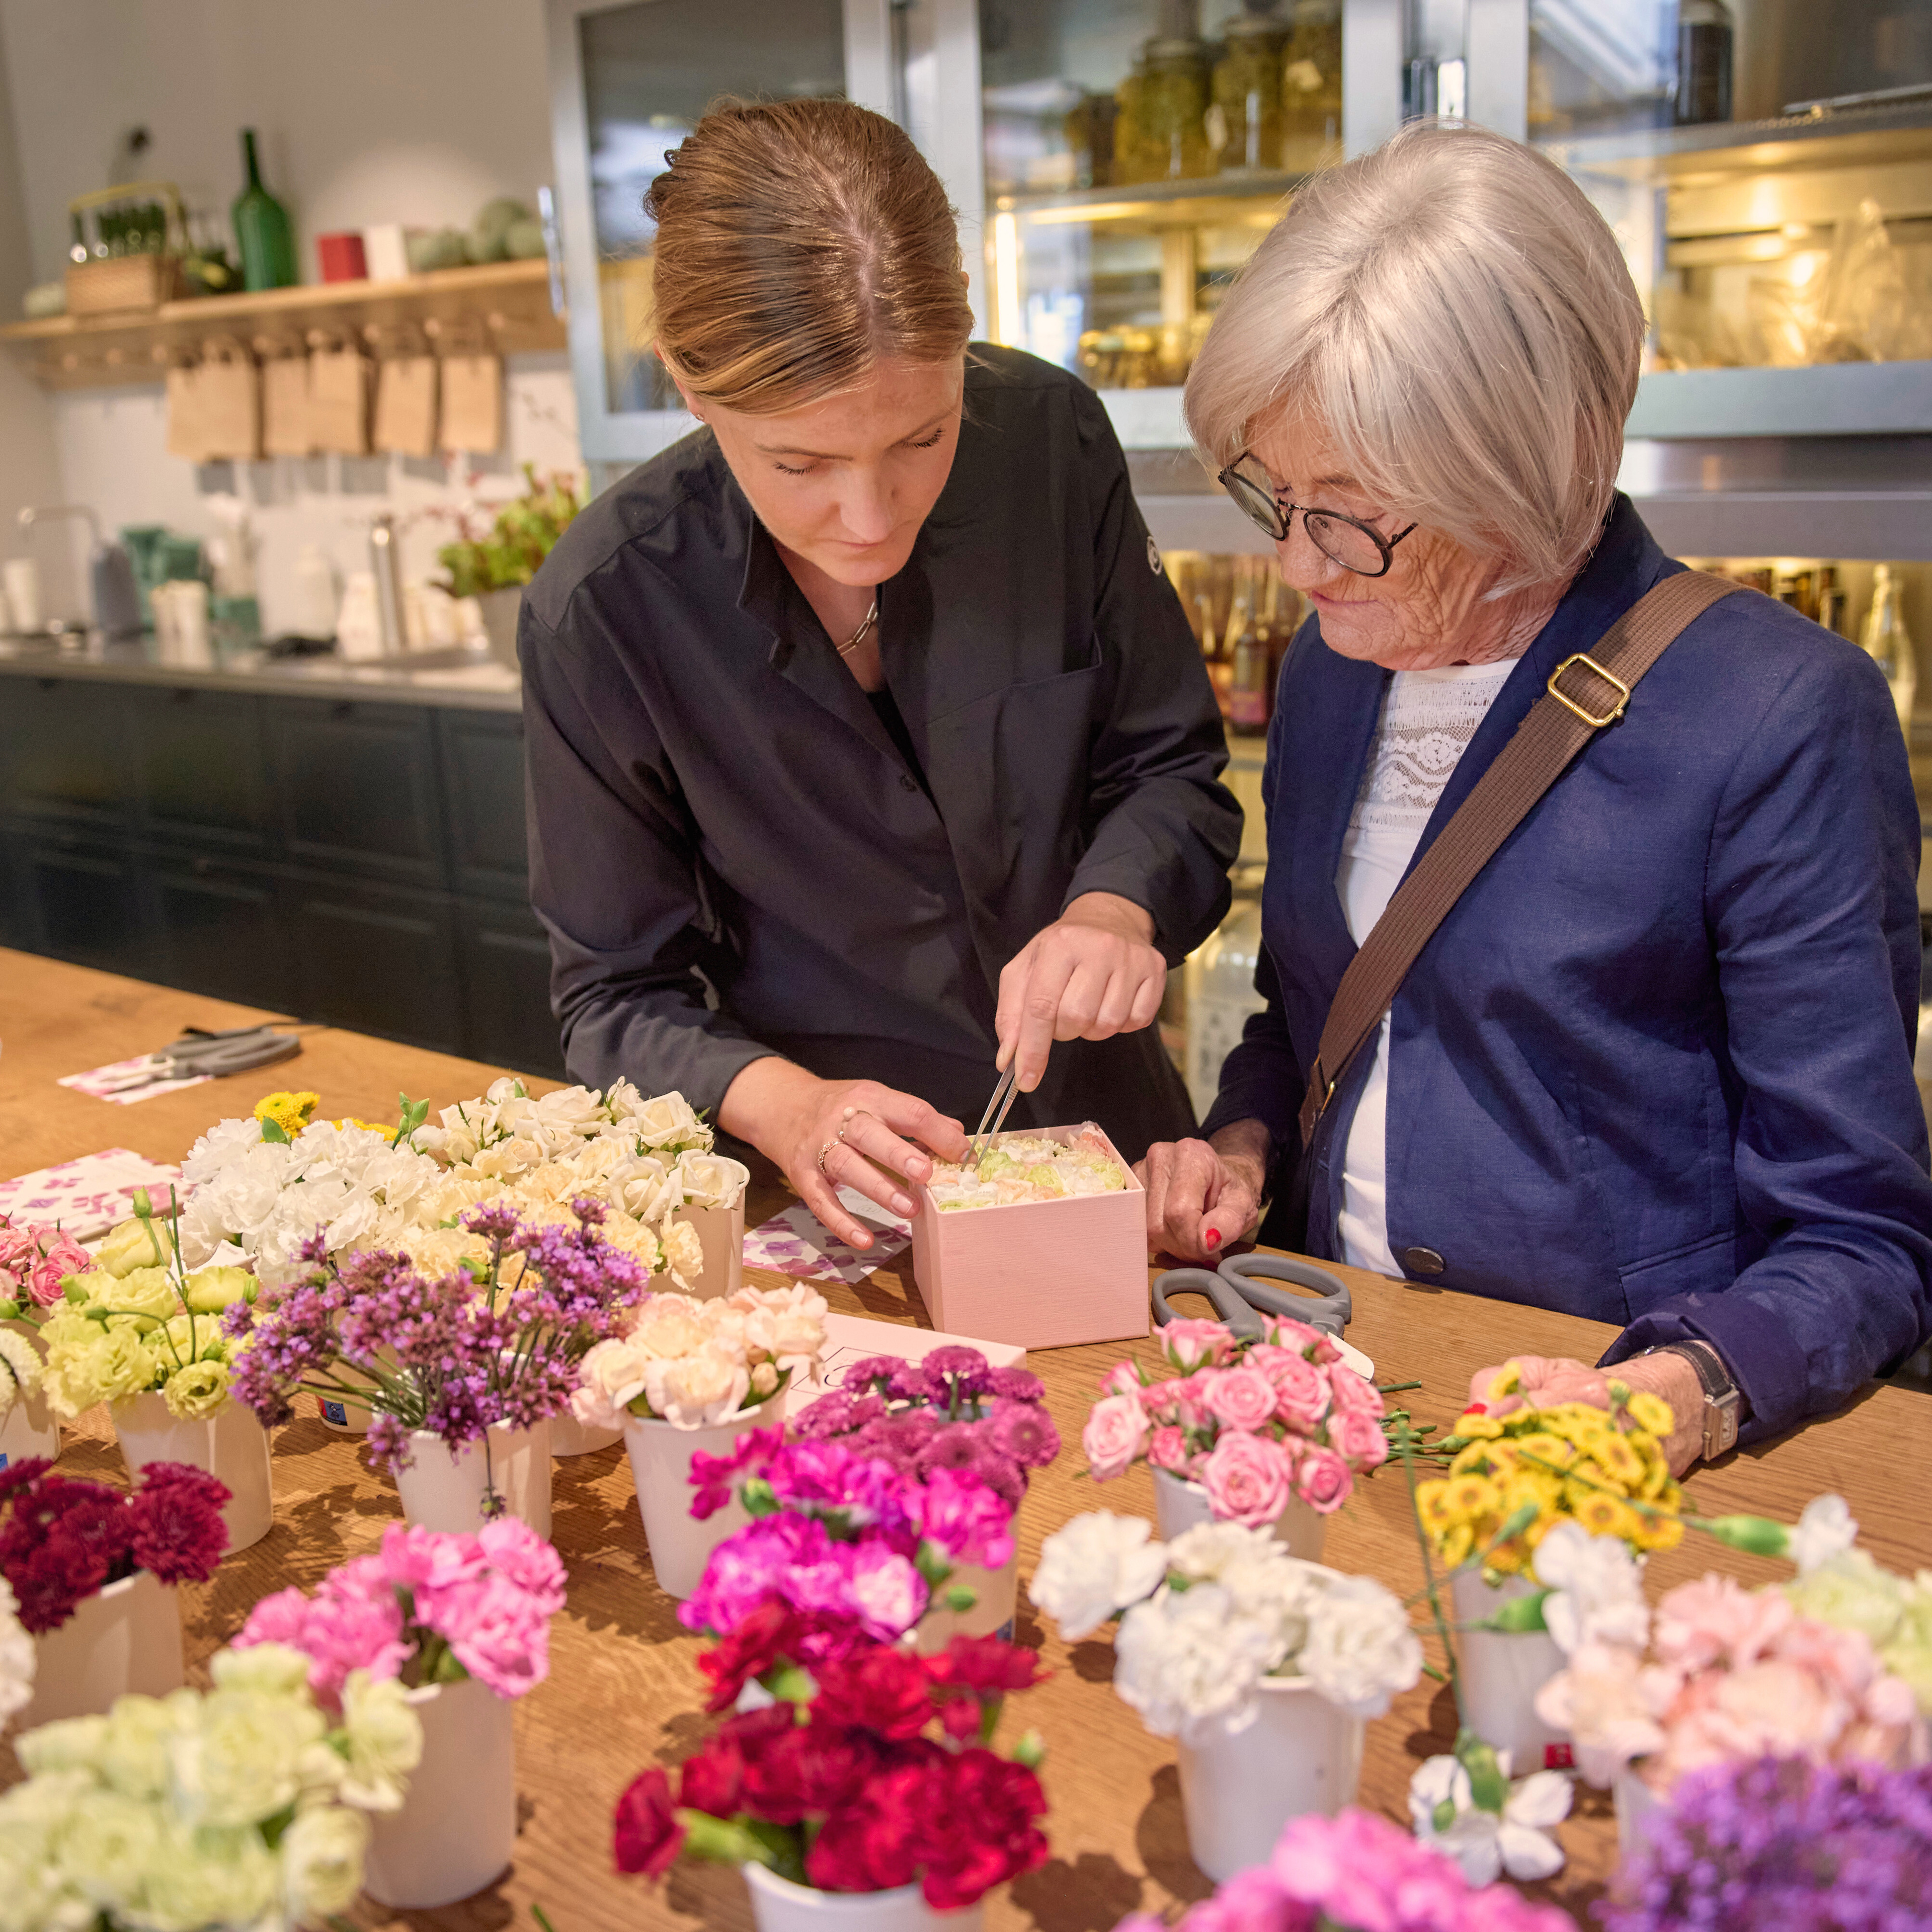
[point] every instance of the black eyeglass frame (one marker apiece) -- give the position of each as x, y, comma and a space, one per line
1264, 505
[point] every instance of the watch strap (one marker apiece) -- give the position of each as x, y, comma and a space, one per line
1722, 1401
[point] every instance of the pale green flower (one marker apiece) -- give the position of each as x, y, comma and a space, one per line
133, 1756
1851, 1592
384, 1739
322, 1862
131, 1301
268, 1669
210, 1877
134, 1244
209, 1290
106, 1846
68, 1744
196, 1392
246, 1759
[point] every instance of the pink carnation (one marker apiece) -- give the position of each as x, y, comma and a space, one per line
1358, 1438
516, 1551
1189, 1345
970, 1522
1322, 1480
1115, 1429
428, 1559
497, 1631
887, 1593
1167, 1449
1302, 1395
1241, 1397
1716, 1618
1248, 1479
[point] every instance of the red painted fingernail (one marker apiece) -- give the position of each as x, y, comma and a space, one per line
1213, 1237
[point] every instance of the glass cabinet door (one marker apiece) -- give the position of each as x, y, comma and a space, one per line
1136, 150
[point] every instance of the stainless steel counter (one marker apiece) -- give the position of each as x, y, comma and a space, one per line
464, 680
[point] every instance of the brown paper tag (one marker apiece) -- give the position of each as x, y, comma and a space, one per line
405, 405
338, 402
285, 406
187, 425
472, 404
231, 404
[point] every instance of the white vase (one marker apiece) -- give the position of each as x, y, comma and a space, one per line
344, 1417
996, 1592
1637, 1804
721, 1231
443, 1489
1179, 1505
779, 1905
1301, 1754
500, 609
29, 1428
231, 1445
569, 1437
456, 1830
661, 1457
1503, 1670
125, 1638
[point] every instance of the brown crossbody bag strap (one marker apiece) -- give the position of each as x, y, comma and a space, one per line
1586, 692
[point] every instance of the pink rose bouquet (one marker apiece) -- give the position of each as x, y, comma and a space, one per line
428, 1608
1255, 1422
35, 1258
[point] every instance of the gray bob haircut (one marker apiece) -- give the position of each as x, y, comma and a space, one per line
1461, 319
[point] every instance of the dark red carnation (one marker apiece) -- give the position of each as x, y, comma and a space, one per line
979, 1829
810, 1771
184, 1476
871, 1844
647, 1836
711, 1780
761, 1642
177, 1527
881, 1689
985, 1665
53, 1579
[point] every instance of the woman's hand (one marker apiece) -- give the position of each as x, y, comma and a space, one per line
1202, 1195
1548, 1380
789, 1115
1093, 973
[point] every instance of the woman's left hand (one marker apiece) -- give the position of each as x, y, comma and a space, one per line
1093, 973
1548, 1380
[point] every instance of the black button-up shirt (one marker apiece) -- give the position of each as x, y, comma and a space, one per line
729, 850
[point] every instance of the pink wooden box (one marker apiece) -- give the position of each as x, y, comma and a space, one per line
1042, 1274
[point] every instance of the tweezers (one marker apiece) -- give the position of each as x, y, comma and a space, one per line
998, 1108
1236, 1295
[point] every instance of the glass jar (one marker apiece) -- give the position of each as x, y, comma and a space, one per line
1247, 91
1174, 112
1311, 84
1091, 129
1131, 160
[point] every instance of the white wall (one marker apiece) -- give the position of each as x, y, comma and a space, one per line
415, 111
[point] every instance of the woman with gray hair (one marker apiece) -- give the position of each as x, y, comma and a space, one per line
1654, 1064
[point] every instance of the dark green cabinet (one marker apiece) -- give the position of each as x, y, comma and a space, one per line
64, 751
220, 928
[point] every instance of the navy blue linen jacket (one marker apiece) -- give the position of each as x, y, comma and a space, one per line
1655, 1067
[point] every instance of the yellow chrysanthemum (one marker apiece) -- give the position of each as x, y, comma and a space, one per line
1476, 1459
1652, 1413
1507, 1380
1454, 1546
1608, 1516
1478, 1427
1660, 1532
1589, 1471
1471, 1497
290, 1111
1546, 1447
1656, 1484
1432, 1504
1616, 1456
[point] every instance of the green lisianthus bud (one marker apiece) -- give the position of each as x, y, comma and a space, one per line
1756, 1533
1519, 1614
209, 1290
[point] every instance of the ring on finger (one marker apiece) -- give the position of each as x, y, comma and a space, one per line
822, 1151
852, 1114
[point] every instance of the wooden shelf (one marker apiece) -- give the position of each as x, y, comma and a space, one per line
505, 305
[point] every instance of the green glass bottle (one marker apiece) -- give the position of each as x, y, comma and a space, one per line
262, 234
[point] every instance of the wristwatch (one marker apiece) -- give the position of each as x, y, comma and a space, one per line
1723, 1402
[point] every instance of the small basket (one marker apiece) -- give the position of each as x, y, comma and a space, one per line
114, 283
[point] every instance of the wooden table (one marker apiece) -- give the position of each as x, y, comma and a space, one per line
624, 1690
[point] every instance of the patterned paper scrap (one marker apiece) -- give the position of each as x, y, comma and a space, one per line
96, 1079
87, 1196
795, 1242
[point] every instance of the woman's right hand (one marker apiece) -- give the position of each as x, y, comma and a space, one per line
890, 1138
1204, 1195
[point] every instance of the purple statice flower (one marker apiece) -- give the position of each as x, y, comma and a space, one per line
1772, 1842
1023, 1432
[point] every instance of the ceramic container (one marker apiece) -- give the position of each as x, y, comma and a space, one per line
29, 1428
779, 1905
1502, 1671
1179, 1505
569, 1437
125, 1638
231, 1445
1637, 1807
661, 1457
1301, 1754
444, 1491
996, 1592
456, 1830
1041, 1274
721, 1230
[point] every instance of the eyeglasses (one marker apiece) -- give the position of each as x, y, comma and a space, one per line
1345, 540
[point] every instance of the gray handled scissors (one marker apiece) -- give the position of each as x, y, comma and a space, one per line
1237, 1290
237, 1051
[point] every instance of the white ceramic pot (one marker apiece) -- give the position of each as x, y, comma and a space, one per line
569, 1437
1637, 1806
125, 1638
721, 1230
443, 1489
456, 1830
1502, 1671
1179, 1505
344, 1417
661, 1457
996, 1592
500, 609
779, 1905
29, 1428
231, 1445
1238, 1788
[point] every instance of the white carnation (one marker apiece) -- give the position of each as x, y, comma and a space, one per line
1185, 1660
1596, 1588
1359, 1650
22, 1375
696, 1390
610, 1377
683, 1253
787, 1323
1825, 1530
17, 1657
1094, 1568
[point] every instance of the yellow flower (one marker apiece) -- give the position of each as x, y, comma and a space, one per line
1432, 1504
1546, 1447
1660, 1532
388, 1133
1608, 1516
1454, 1546
1507, 1380
1623, 1462
134, 1244
1652, 1413
290, 1111
1477, 1459
196, 1392
1470, 1497
1478, 1427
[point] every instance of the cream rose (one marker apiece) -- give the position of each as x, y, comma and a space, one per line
668, 1121
712, 1179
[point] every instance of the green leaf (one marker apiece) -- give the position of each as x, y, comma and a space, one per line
959, 1598
758, 1497
930, 1561
272, 1130
1444, 1816
1519, 1614
789, 1684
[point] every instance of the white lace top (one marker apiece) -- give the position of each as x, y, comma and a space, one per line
1428, 719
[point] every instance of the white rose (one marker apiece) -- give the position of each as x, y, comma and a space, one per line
598, 1161
385, 1741
610, 1377
507, 1159
1360, 1649
1092, 1567
321, 1862
644, 1187
683, 1253
698, 1390
667, 1121
712, 1179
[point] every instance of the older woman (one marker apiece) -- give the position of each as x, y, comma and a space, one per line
1654, 1066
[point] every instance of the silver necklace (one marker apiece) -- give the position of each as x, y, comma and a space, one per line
864, 631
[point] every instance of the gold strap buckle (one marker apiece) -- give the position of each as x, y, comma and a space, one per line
1569, 704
